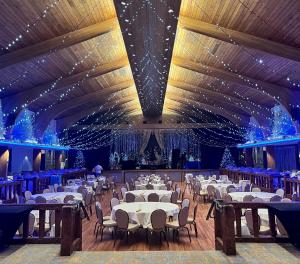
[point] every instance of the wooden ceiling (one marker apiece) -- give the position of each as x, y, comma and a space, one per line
233, 58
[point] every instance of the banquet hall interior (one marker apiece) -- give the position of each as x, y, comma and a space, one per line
149, 131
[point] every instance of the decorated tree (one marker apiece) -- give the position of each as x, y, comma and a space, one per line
2, 127
227, 159
254, 131
50, 135
282, 124
23, 127
80, 160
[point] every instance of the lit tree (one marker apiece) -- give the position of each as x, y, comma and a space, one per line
227, 159
253, 132
2, 127
23, 127
50, 135
79, 161
282, 124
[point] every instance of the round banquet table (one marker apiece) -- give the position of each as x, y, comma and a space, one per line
140, 212
59, 196
145, 193
238, 196
220, 186
156, 186
74, 188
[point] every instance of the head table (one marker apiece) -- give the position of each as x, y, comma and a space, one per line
145, 193
140, 212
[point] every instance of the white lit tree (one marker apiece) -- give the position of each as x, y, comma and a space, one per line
2, 127
282, 124
227, 159
80, 160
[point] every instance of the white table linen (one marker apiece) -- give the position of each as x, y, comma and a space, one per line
156, 186
74, 188
145, 193
140, 212
59, 196
222, 187
238, 196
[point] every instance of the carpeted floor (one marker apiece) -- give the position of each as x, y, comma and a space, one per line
247, 253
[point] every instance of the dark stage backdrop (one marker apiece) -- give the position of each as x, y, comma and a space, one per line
211, 156
92, 158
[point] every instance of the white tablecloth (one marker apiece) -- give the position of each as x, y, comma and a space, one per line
145, 193
238, 196
74, 188
156, 186
141, 212
59, 196
220, 186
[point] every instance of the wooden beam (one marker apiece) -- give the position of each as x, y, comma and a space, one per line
174, 102
12, 101
59, 42
273, 91
228, 100
247, 40
141, 126
43, 119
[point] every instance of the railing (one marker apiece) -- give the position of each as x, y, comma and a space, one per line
68, 228
9, 189
291, 186
264, 182
228, 227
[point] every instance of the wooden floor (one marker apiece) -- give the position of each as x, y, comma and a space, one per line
205, 240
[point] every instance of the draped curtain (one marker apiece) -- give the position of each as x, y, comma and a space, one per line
285, 158
159, 138
145, 139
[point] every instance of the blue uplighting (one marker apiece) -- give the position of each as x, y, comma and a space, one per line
32, 145
270, 142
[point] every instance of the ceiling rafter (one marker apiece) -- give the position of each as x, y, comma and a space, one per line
12, 101
59, 42
247, 40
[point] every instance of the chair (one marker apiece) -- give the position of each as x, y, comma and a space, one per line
294, 196
149, 187
88, 200
46, 191
218, 194
247, 187
258, 200
169, 187
227, 198
99, 192
249, 222
113, 202
102, 222
230, 188
27, 195
163, 187
248, 198
123, 192
192, 220
30, 201
211, 192
69, 198
123, 225
199, 193
276, 198
280, 192
115, 194
286, 200
180, 224
153, 197
158, 224
129, 197
80, 189
55, 185
174, 197
185, 203
60, 189
40, 200
31, 221
165, 199
139, 199
256, 189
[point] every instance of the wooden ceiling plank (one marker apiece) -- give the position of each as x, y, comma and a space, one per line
247, 40
12, 101
59, 42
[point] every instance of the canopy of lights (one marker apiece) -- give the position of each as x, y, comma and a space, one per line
86, 74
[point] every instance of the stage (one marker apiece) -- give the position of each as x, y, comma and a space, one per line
122, 176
